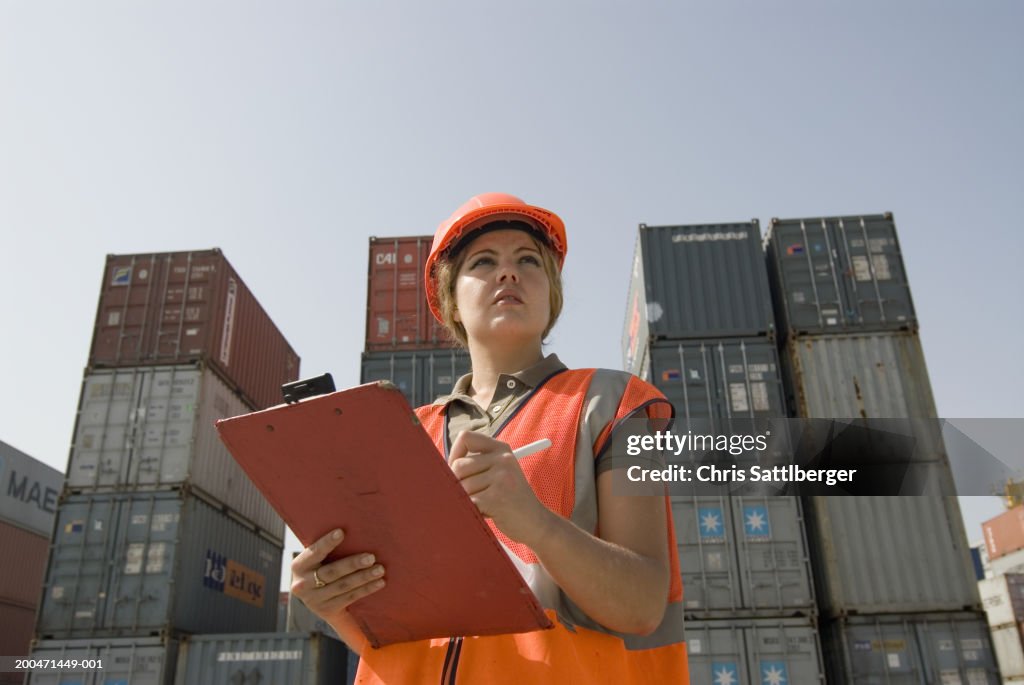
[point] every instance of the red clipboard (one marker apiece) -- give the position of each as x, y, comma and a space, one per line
358, 459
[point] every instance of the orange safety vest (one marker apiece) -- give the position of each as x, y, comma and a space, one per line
567, 653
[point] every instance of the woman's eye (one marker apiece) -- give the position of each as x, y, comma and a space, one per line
531, 259
478, 262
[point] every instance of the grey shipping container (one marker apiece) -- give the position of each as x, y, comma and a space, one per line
699, 281
881, 554
159, 562
29, 490
754, 652
422, 376
181, 307
914, 649
743, 557
135, 660
717, 380
837, 275
152, 427
269, 658
889, 555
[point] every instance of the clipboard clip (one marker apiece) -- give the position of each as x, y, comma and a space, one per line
307, 387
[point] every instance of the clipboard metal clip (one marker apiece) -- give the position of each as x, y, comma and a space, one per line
307, 387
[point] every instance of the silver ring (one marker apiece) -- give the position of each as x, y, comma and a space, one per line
316, 579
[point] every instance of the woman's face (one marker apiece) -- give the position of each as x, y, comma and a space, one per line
501, 288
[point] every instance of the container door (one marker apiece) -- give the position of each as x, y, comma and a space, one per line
707, 556
875, 289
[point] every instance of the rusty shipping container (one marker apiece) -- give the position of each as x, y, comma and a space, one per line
152, 427
1004, 533
397, 316
16, 622
28, 491
881, 554
23, 557
182, 307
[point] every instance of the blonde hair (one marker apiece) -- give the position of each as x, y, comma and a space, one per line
447, 269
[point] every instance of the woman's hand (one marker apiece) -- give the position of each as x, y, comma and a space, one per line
491, 476
342, 582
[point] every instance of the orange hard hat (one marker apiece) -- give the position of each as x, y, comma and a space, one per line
477, 213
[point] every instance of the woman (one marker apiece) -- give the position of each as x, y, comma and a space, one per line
603, 565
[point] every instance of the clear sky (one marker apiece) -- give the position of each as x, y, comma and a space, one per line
288, 133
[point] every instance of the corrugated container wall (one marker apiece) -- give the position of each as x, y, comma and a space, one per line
754, 652
717, 380
29, 490
135, 660
422, 376
16, 622
135, 564
269, 658
1004, 533
397, 316
1003, 599
912, 649
896, 554
889, 555
1008, 644
152, 427
700, 281
742, 557
838, 275
182, 307
22, 566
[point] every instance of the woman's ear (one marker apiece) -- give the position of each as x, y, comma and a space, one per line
455, 314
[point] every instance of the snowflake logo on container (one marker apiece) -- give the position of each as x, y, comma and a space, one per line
711, 529
774, 673
756, 525
725, 673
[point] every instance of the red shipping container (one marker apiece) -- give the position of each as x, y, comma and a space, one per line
397, 316
22, 566
16, 625
182, 307
1004, 533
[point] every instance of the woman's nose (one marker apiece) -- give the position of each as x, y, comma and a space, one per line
508, 272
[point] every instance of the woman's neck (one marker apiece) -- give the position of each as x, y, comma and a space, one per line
489, 363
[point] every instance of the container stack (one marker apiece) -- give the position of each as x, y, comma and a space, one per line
699, 326
1002, 589
159, 532
896, 588
404, 343
28, 504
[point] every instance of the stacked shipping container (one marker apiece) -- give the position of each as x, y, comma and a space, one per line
160, 534
895, 582
699, 326
404, 343
28, 504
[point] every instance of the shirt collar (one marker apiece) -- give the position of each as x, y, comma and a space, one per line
531, 377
